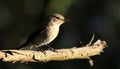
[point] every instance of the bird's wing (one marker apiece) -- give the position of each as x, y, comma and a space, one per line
35, 33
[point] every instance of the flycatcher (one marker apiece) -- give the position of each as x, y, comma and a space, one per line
47, 32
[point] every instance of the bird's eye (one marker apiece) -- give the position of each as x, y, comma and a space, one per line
57, 17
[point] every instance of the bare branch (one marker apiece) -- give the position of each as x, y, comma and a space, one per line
57, 55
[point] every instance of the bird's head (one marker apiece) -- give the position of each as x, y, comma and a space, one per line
57, 18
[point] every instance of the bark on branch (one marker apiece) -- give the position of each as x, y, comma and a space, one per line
59, 54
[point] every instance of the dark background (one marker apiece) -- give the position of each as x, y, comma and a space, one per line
19, 18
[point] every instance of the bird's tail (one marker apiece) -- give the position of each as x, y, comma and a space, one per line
22, 46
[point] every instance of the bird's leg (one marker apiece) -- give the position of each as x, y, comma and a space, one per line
52, 49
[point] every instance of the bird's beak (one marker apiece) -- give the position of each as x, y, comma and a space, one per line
65, 20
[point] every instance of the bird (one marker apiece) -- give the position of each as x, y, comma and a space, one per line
46, 32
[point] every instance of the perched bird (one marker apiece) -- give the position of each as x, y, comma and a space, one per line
47, 32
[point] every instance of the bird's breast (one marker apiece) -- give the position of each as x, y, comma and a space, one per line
53, 32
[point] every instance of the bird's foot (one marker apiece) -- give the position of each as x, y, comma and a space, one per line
52, 49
